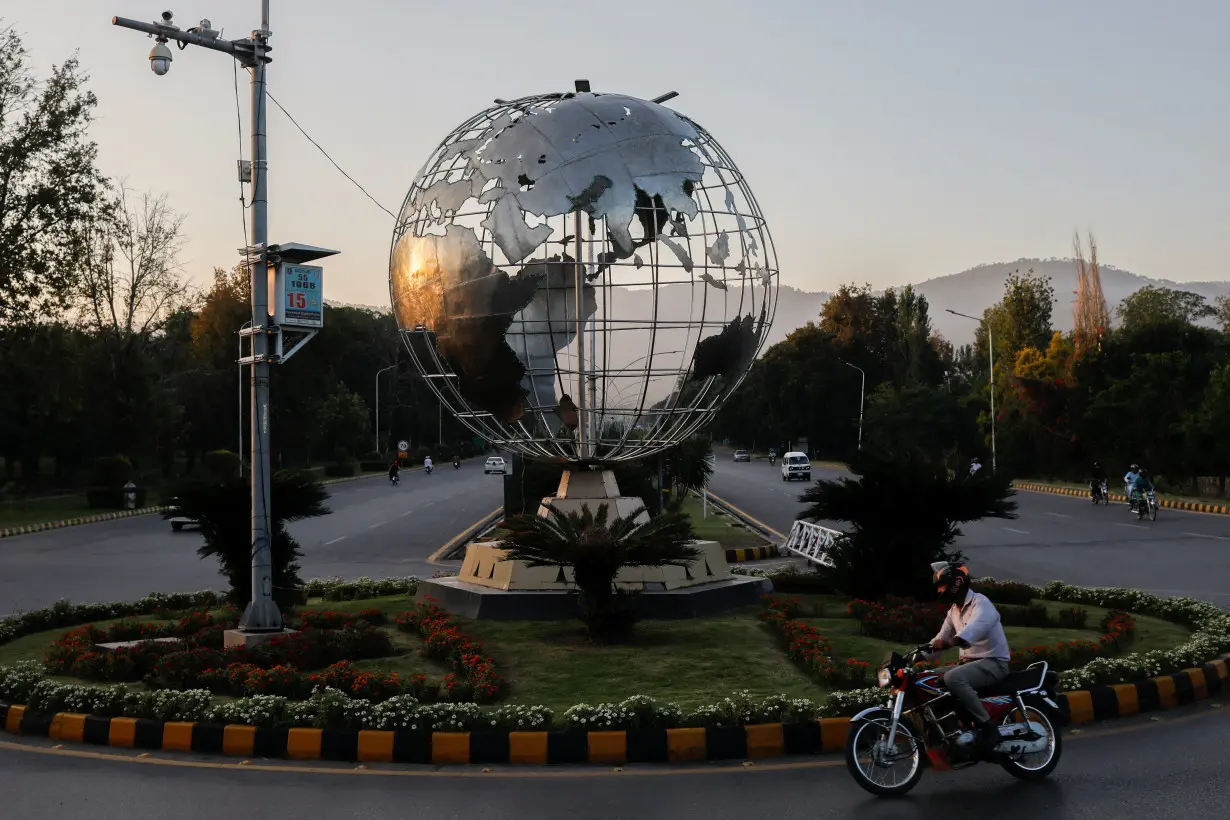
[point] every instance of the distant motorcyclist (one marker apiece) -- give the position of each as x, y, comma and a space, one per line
456, 462
974, 466
427, 465
1130, 479
394, 472
1140, 486
1096, 480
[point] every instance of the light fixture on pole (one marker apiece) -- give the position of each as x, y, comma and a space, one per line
379, 448
301, 308
991, 378
862, 393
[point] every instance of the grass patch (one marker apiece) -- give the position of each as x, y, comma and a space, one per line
692, 662
33, 647
727, 531
20, 513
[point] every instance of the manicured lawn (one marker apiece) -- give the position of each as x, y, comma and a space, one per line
728, 532
692, 662
21, 513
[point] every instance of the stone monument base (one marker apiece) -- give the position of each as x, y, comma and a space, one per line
236, 637
491, 603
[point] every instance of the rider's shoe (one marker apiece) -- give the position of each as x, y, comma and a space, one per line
988, 737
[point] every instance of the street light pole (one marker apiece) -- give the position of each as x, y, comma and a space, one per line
991, 379
246, 324
862, 393
380, 449
262, 614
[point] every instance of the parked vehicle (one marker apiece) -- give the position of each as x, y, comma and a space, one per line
495, 464
796, 467
920, 727
742, 455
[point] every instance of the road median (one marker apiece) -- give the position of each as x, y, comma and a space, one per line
1166, 503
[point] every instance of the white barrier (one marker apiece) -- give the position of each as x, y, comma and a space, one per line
810, 541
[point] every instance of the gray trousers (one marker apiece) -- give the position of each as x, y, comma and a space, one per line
963, 680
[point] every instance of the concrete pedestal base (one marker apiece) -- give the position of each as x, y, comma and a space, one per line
234, 637
488, 603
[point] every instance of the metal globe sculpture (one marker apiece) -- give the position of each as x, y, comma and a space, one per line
582, 277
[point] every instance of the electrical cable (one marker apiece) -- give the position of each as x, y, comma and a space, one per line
326, 156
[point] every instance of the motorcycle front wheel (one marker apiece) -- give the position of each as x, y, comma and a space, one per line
1037, 765
872, 763
1153, 511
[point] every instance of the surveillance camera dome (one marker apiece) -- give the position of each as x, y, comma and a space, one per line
160, 59
166, 15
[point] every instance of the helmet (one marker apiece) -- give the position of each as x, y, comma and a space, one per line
951, 580
1135, 468
1143, 471
1097, 464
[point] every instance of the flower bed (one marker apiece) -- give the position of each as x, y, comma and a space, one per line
332, 702
810, 650
474, 676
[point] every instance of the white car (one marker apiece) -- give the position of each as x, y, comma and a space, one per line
796, 466
178, 522
742, 455
494, 464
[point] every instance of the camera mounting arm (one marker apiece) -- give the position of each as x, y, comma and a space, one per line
247, 51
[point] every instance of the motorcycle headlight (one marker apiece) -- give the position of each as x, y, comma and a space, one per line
884, 678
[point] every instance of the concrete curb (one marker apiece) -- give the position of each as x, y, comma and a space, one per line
8, 532
1190, 506
753, 742
741, 554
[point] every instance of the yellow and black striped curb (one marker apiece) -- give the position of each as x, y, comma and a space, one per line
563, 745
737, 556
1190, 506
7, 532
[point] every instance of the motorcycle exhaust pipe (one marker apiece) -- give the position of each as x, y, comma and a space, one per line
1021, 738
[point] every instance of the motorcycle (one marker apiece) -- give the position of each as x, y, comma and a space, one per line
427, 469
1099, 493
1145, 504
456, 464
919, 727
395, 479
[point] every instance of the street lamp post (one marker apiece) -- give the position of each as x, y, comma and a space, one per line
991, 380
380, 449
862, 393
262, 614
240, 366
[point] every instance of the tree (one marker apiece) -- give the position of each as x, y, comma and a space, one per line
1153, 304
596, 550
689, 465
919, 421
1221, 309
223, 510
342, 423
50, 187
1021, 319
890, 554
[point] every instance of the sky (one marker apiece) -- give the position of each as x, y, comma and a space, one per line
887, 142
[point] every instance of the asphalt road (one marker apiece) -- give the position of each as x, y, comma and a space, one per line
1135, 769
1054, 538
375, 530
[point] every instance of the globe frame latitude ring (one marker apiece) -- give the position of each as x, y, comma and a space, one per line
582, 277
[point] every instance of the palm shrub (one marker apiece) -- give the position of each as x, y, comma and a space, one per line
596, 548
223, 510
903, 511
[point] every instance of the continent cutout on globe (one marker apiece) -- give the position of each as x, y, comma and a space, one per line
449, 286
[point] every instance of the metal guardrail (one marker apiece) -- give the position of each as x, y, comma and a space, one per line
810, 541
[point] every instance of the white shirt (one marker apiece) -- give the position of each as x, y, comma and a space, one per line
427, 461
976, 621
975, 467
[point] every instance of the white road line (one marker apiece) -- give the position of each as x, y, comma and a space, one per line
378, 524
407, 512
1133, 526
1059, 515
1022, 532
335, 540
1204, 535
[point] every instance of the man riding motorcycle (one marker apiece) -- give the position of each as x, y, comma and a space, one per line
394, 472
427, 465
1138, 488
1130, 479
973, 624
1097, 479
456, 462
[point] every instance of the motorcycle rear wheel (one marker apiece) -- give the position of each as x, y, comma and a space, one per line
1037, 769
1153, 512
871, 731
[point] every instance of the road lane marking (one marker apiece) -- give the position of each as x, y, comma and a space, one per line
1059, 515
1022, 532
1133, 526
335, 540
377, 524
1204, 535
407, 512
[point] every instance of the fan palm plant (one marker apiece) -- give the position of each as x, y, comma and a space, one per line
596, 549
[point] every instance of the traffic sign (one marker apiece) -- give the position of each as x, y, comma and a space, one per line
403, 445
300, 296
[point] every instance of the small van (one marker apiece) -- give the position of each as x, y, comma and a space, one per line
796, 466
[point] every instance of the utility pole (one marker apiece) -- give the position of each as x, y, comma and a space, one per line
861, 395
380, 449
991, 379
261, 617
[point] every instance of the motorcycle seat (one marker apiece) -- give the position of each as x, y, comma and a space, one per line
1019, 682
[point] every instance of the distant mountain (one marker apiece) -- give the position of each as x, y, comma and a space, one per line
976, 289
